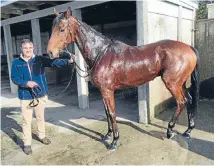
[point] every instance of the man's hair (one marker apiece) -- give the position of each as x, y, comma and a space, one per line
26, 41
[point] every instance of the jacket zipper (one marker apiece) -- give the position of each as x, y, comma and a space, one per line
29, 70
30, 74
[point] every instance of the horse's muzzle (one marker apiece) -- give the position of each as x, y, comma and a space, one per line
50, 54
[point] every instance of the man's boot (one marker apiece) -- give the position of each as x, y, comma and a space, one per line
27, 150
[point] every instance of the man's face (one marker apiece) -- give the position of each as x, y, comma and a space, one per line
27, 50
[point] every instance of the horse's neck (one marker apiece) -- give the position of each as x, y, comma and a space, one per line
90, 42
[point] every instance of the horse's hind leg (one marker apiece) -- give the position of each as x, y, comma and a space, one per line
190, 114
177, 92
108, 97
109, 133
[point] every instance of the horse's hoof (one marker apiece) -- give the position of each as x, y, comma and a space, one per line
106, 138
169, 134
112, 147
186, 135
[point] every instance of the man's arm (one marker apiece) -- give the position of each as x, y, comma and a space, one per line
47, 62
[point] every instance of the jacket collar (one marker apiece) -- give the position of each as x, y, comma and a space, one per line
26, 60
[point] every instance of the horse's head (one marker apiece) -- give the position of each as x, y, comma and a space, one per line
62, 33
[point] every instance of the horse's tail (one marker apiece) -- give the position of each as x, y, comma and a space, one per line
195, 84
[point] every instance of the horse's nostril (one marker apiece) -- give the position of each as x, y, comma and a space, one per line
50, 54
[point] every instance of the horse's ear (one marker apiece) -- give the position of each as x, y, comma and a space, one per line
55, 12
68, 12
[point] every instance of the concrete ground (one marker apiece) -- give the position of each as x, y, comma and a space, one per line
76, 134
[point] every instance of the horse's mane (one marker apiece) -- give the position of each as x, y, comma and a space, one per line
93, 30
96, 33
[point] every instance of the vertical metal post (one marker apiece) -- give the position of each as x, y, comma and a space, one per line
82, 84
9, 51
142, 39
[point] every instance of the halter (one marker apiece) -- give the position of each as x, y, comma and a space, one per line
71, 32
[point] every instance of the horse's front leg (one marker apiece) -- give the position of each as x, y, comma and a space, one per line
109, 133
108, 97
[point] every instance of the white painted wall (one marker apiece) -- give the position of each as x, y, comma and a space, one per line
186, 31
162, 8
161, 27
187, 25
210, 10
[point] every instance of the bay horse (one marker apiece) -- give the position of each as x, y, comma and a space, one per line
114, 64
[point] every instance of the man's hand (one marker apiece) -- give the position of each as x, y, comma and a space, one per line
31, 84
72, 59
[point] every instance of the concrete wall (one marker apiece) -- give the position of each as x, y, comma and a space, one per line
210, 10
163, 24
205, 45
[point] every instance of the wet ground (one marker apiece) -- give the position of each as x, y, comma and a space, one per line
76, 134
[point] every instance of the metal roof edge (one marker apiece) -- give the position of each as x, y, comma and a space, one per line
5, 3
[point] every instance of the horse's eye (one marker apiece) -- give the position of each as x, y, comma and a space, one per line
62, 30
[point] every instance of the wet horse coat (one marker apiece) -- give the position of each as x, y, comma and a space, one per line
122, 65
115, 65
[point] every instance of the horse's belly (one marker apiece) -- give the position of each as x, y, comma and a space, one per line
132, 79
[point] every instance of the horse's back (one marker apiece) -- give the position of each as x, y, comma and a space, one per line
169, 52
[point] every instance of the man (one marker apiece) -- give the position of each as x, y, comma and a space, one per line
28, 73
